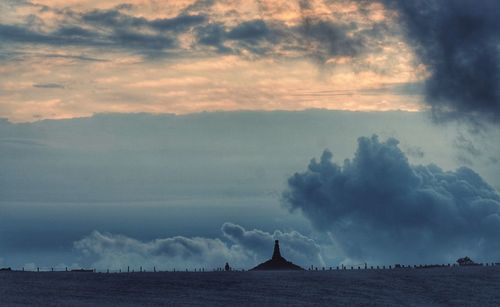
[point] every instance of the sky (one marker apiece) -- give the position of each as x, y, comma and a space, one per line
70, 59
191, 133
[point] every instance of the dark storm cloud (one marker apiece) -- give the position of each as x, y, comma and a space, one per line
379, 207
459, 42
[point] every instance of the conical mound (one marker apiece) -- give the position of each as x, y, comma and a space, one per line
277, 262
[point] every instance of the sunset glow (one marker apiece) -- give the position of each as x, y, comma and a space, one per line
68, 59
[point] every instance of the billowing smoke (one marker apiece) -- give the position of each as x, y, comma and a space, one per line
459, 42
244, 249
378, 207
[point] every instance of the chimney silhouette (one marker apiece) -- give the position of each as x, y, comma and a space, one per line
276, 252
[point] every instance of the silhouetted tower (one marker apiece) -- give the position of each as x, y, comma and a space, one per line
276, 252
277, 262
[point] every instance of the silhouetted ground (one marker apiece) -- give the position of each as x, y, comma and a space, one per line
478, 286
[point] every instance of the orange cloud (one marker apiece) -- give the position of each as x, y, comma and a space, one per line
99, 80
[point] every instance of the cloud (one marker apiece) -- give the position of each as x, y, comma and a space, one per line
73, 36
264, 55
124, 29
325, 39
117, 251
249, 31
378, 207
48, 85
246, 250
115, 19
104, 29
319, 40
293, 244
467, 150
358, 44
415, 152
458, 41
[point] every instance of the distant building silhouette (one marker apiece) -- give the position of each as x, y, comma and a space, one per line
276, 251
277, 262
466, 261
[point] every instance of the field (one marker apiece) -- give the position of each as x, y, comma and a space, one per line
474, 286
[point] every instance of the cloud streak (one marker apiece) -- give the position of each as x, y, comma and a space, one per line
118, 28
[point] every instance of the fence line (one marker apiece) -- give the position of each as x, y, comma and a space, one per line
153, 269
